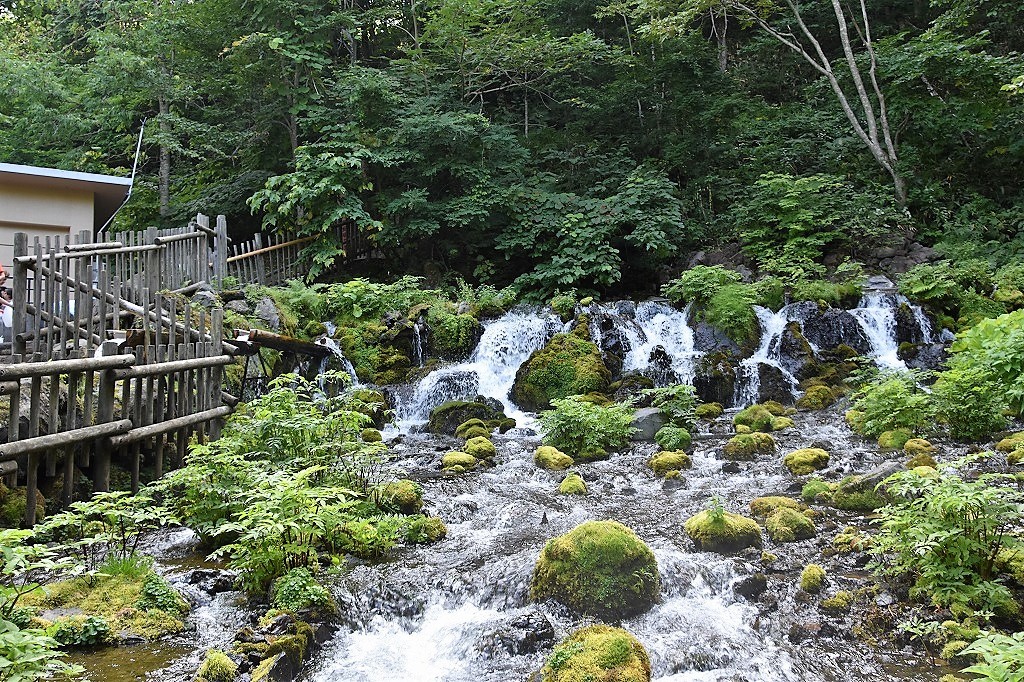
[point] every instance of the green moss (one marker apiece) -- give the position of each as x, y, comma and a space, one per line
709, 411
12, 507
763, 507
448, 417
806, 461
780, 423
852, 494
789, 525
371, 436
481, 448
426, 529
757, 417
572, 484
777, 409
731, 310
1011, 442
895, 439
373, 404
458, 459
921, 460
471, 428
217, 667
551, 458
817, 490
262, 671
839, 603
673, 438
404, 495
452, 336
812, 578
600, 568
746, 446
596, 399
598, 653
851, 540
816, 398
567, 365
666, 462
743, 428
855, 420
723, 532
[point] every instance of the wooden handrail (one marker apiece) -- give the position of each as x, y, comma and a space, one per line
265, 249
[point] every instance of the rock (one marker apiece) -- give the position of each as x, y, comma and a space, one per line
794, 350
895, 439
205, 298
481, 448
816, 398
518, 636
572, 484
806, 461
459, 461
774, 385
647, 421
709, 411
722, 532
266, 312
746, 446
789, 525
598, 652
715, 378
798, 632
570, 364
708, 339
757, 417
551, 458
239, 306
665, 463
812, 578
599, 568
447, 418
731, 468
871, 478
764, 507
929, 356
278, 668
212, 580
827, 328
752, 587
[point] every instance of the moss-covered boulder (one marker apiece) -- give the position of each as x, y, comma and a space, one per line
857, 493
839, 603
789, 525
12, 506
572, 484
806, 461
666, 462
458, 462
1011, 442
551, 458
746, 446
452, 336
918, 446
812, 578
471, 428
817, 490
217, 667
481, 448
763, 507
600, 568
598, 653
756, 417
709, 411
371, 436
895, 439
781, 423
816, 398
372, 403
569, 364
743, 428
855, 420
921, 460
448, 417
403, 495
722, 531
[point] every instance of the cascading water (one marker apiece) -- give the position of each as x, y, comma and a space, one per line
418, 355
507, 343
337, 354
657, 325
769, 352
876, 314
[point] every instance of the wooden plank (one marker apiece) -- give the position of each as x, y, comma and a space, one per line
9, 451
170, 425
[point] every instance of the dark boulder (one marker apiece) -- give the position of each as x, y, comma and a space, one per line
518, 636
715, 378
827, 328
710, 339
794, 350
774, 385
446, 418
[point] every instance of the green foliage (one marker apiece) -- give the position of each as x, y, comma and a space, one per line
79, 631
673, 438
1001, 656
587, 430
485, 299
297, 590
30, 655
678, 404
361, 299
993, 350
217, 667
970, 401
893, 400
452, 336
158, 594
944, 532
960, 289
732, 311
699, 284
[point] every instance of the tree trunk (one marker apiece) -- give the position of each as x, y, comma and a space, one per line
165, 159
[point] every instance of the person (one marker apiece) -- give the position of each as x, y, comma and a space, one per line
3, 275
6, 314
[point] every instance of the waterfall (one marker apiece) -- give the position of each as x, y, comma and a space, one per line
418, 356
652, 338
507, 343
336, 353
876, 314
769, 352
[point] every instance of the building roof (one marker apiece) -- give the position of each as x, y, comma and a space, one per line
110, 191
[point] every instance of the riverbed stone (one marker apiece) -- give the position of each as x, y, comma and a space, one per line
519, 635
598, 652
599, 568
789, 525
722, 531
551, 458
647, 421
570, 364
806, 461
746, 446
666, 463
447, 417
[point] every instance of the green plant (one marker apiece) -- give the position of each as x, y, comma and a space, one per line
587, 430
30, 654
158, 594
673, 438
970, 401
678, 403
75, 631
297, 590
699, 284
1002, 657
893, 400
945, 532
995, 348
732, 311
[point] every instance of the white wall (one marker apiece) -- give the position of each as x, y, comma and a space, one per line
41, 213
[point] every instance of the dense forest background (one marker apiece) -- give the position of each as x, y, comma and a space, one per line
562, 146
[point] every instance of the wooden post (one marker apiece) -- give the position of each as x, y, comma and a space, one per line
220, 252
105, 414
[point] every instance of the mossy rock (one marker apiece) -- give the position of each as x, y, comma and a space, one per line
448, 417
459, 461
1011, 442
600, 568
666, 462
841, 602
722, 532
746, 446
371, 436
853, 494
403, 494
481, 448
504, 425
743, 429
573, 484
568, 365
1016, 457
776, 408
851, 540
217, 667
756, 417
426, 529
373, 404
673, 438
551, 458
817, 490
855, 420
812, 578
763, 507
599, 399
918, 446
781, 423
806, 461
709, 411
12, 507
921, 460
598, 653
477, 426
816, 398
895, 439
789, 525
452, 337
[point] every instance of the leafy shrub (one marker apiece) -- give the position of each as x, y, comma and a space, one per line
1002, 657
732, 311
75, 631
995, 348
960, 289
699, 284
970, 402
31, 654
564, 305
486, 300
673, 438
945, 532
297, 590
587, 430
158, 594
678, 404
361, 299
893, 400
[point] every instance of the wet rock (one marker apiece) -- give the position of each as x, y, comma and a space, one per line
239, 306
280, 625
267, 313
715, 378
795, 351
448, 417
660, 366
827, 328
647, 421
928, 356
205, 298
774, 385
798, 632
871, 478
630, 387
752, 586
711, 339
518, 636
731, 468
212, 581
278, 669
